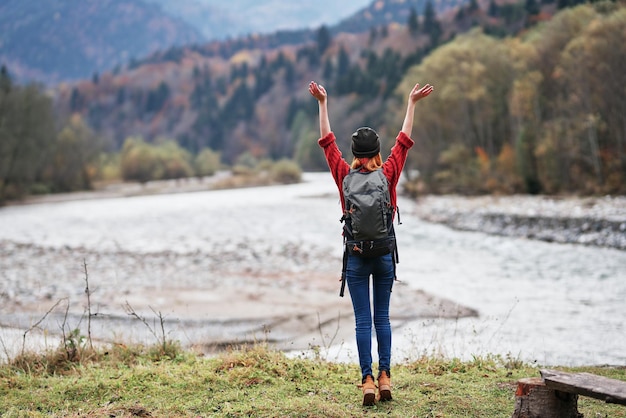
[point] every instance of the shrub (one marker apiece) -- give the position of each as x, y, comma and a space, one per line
207, 162
286, 172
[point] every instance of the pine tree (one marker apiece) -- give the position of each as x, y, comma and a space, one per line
532, 7
327, 72
343, 62
373, 35
323, 39
413, 23
431, 25
494, 10
5, 80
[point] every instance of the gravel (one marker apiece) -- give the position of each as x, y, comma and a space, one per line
598, 221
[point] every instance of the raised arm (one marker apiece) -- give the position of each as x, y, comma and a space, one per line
417, 93
318, 91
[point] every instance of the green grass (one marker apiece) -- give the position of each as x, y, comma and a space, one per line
164, 381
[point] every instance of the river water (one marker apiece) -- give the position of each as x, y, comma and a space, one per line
554, 304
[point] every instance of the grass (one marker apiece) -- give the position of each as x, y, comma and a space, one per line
165, 381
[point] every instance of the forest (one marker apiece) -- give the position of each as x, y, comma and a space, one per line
529, 98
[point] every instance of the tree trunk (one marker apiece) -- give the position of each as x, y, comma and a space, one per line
534, 400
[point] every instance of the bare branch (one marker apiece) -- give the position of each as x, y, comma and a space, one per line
43, 318
5, 349
131, 311
88, 292
162, 322
319, 327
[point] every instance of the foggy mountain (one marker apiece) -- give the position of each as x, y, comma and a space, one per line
235, 18
56, 40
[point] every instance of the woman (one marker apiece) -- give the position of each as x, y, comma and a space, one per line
367, 158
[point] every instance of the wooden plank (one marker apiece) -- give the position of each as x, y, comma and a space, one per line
599, 387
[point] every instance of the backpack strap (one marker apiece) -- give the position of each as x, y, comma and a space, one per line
395, 260
344, 268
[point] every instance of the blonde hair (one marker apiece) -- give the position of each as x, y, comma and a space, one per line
370, 164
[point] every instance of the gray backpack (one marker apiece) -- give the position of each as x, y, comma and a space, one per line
368, 215
368, 210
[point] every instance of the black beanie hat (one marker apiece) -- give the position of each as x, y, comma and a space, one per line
365, 143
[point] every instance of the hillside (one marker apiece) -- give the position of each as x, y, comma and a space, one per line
382, 13
57, 40
523, 122
245, 94
235, 18
62, 40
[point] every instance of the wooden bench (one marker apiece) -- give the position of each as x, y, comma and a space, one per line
555, 394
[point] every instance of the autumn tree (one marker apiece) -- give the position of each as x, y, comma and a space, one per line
27, 130
592, 65
547, 136
307, 154
76, 149
473, 77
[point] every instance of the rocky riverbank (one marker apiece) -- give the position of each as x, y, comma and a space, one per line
599, 221
237, 291
204, 300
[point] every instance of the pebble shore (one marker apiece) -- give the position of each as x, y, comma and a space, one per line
208, 300
227, 295
597, 221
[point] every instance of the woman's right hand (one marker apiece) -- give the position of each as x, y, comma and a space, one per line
318, 91
418, 93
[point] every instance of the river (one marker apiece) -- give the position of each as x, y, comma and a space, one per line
553, 304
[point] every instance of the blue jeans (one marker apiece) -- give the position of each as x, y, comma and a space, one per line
358, 272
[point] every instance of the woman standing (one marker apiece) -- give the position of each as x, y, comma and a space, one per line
358, 269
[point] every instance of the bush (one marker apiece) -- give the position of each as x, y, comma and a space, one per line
39, 189
207, 162
246, 164
143, 162
459, 172
139, 161
286, 172
174, 161
108, 167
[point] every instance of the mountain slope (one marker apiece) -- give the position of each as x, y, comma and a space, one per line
385, 12
218, 21
56, 40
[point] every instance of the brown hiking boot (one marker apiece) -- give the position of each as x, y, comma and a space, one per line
384, 386
369, 391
